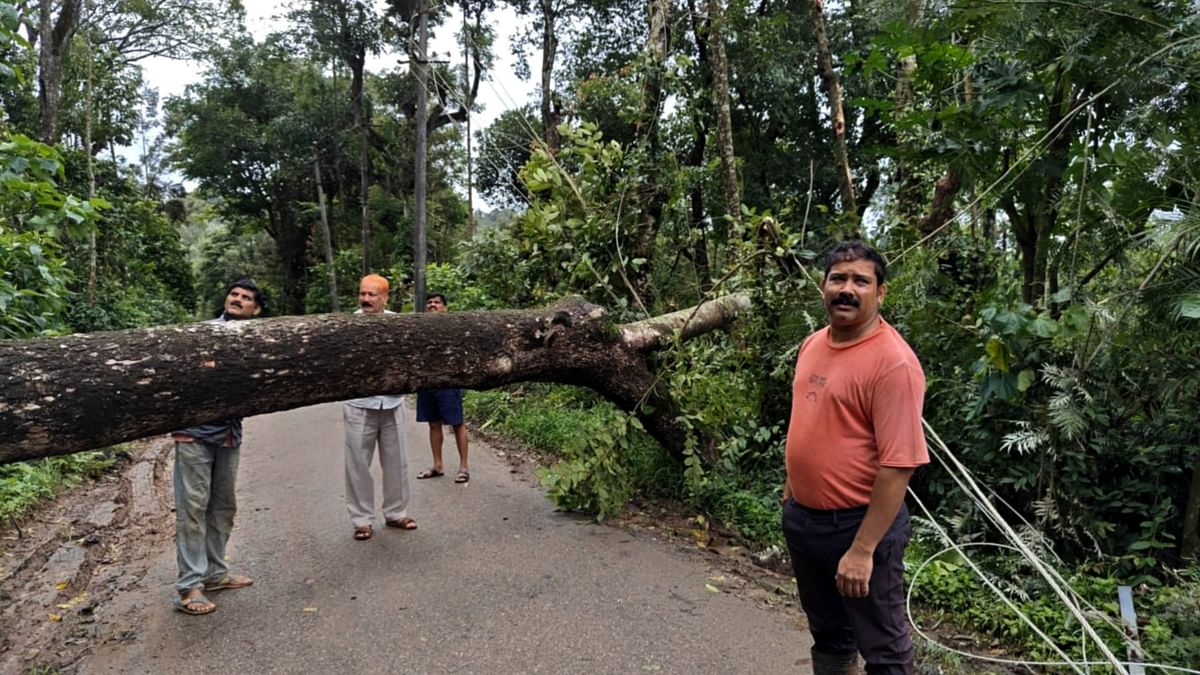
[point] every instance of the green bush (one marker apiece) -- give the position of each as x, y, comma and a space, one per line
605, 457
948, 587
24, 484
33, 290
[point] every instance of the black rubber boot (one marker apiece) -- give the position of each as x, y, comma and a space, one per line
834, 664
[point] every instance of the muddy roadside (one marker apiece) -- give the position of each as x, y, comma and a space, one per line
61, 564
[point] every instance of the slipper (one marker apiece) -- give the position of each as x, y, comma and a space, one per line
229, 581
363, 533
404, 523
462, 477
189, 605
429, 473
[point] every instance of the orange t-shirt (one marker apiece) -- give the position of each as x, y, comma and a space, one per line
855, 407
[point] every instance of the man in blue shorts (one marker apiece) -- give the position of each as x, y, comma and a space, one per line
440, 407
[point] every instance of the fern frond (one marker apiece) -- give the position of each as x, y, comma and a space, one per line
1065, 416
1025, 440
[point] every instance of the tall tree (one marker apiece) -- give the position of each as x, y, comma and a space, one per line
134, 29
350, 30
246, 134
832, 86
55, 33
720, 92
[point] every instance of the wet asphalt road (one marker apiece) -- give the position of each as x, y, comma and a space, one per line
494, 581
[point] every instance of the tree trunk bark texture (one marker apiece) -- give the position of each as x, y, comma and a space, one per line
1191, 517
833, 91
55, 37
720, 70
64, 395
652, 195
357, 63
326, 237
550, 113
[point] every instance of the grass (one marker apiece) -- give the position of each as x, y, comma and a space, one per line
24, 485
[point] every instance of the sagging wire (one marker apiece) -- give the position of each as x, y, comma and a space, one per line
962, 476
994, 659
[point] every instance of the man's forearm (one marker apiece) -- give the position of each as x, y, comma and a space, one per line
886, 497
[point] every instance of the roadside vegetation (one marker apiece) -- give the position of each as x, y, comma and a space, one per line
1029, 169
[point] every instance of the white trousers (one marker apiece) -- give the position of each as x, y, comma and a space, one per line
366, 428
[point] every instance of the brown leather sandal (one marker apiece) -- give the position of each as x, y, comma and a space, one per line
363, 533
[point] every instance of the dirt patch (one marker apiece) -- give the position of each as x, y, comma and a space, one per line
61, 566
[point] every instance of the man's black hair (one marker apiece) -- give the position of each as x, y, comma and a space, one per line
849, 251
260, 298
439, 296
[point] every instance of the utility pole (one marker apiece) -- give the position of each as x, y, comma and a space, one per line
419, 177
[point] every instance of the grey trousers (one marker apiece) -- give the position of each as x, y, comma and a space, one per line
205, 479
366, 428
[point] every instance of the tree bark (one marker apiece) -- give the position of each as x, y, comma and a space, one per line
697, 157
720, 70
64, 395
550, 114
1191, 517
326, 237
90, 163
652, 195
908, 190
833, 91
941, 209
357, 61
55, 37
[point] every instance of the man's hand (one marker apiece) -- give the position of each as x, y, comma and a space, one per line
787, 494
854, 573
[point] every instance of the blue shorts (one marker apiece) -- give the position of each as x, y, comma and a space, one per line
440, 405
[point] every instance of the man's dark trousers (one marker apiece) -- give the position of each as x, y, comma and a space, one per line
876, 626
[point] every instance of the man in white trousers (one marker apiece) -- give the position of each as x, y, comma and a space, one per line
371, 421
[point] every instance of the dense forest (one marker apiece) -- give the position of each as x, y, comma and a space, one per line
1029, 168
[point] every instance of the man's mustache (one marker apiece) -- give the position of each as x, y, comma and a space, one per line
845, 299
364, 304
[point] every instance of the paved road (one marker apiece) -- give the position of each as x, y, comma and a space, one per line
494, 581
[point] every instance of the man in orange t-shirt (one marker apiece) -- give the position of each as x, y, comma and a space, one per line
854, 440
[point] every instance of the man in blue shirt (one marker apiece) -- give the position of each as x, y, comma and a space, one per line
206, 464
439, 407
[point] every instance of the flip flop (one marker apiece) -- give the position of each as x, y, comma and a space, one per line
229, 581
185, 605
462, 477
404, 523
429, 473
363, 533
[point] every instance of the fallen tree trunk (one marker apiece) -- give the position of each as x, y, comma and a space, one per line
63, 395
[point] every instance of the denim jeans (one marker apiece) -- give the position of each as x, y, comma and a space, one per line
205, 478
